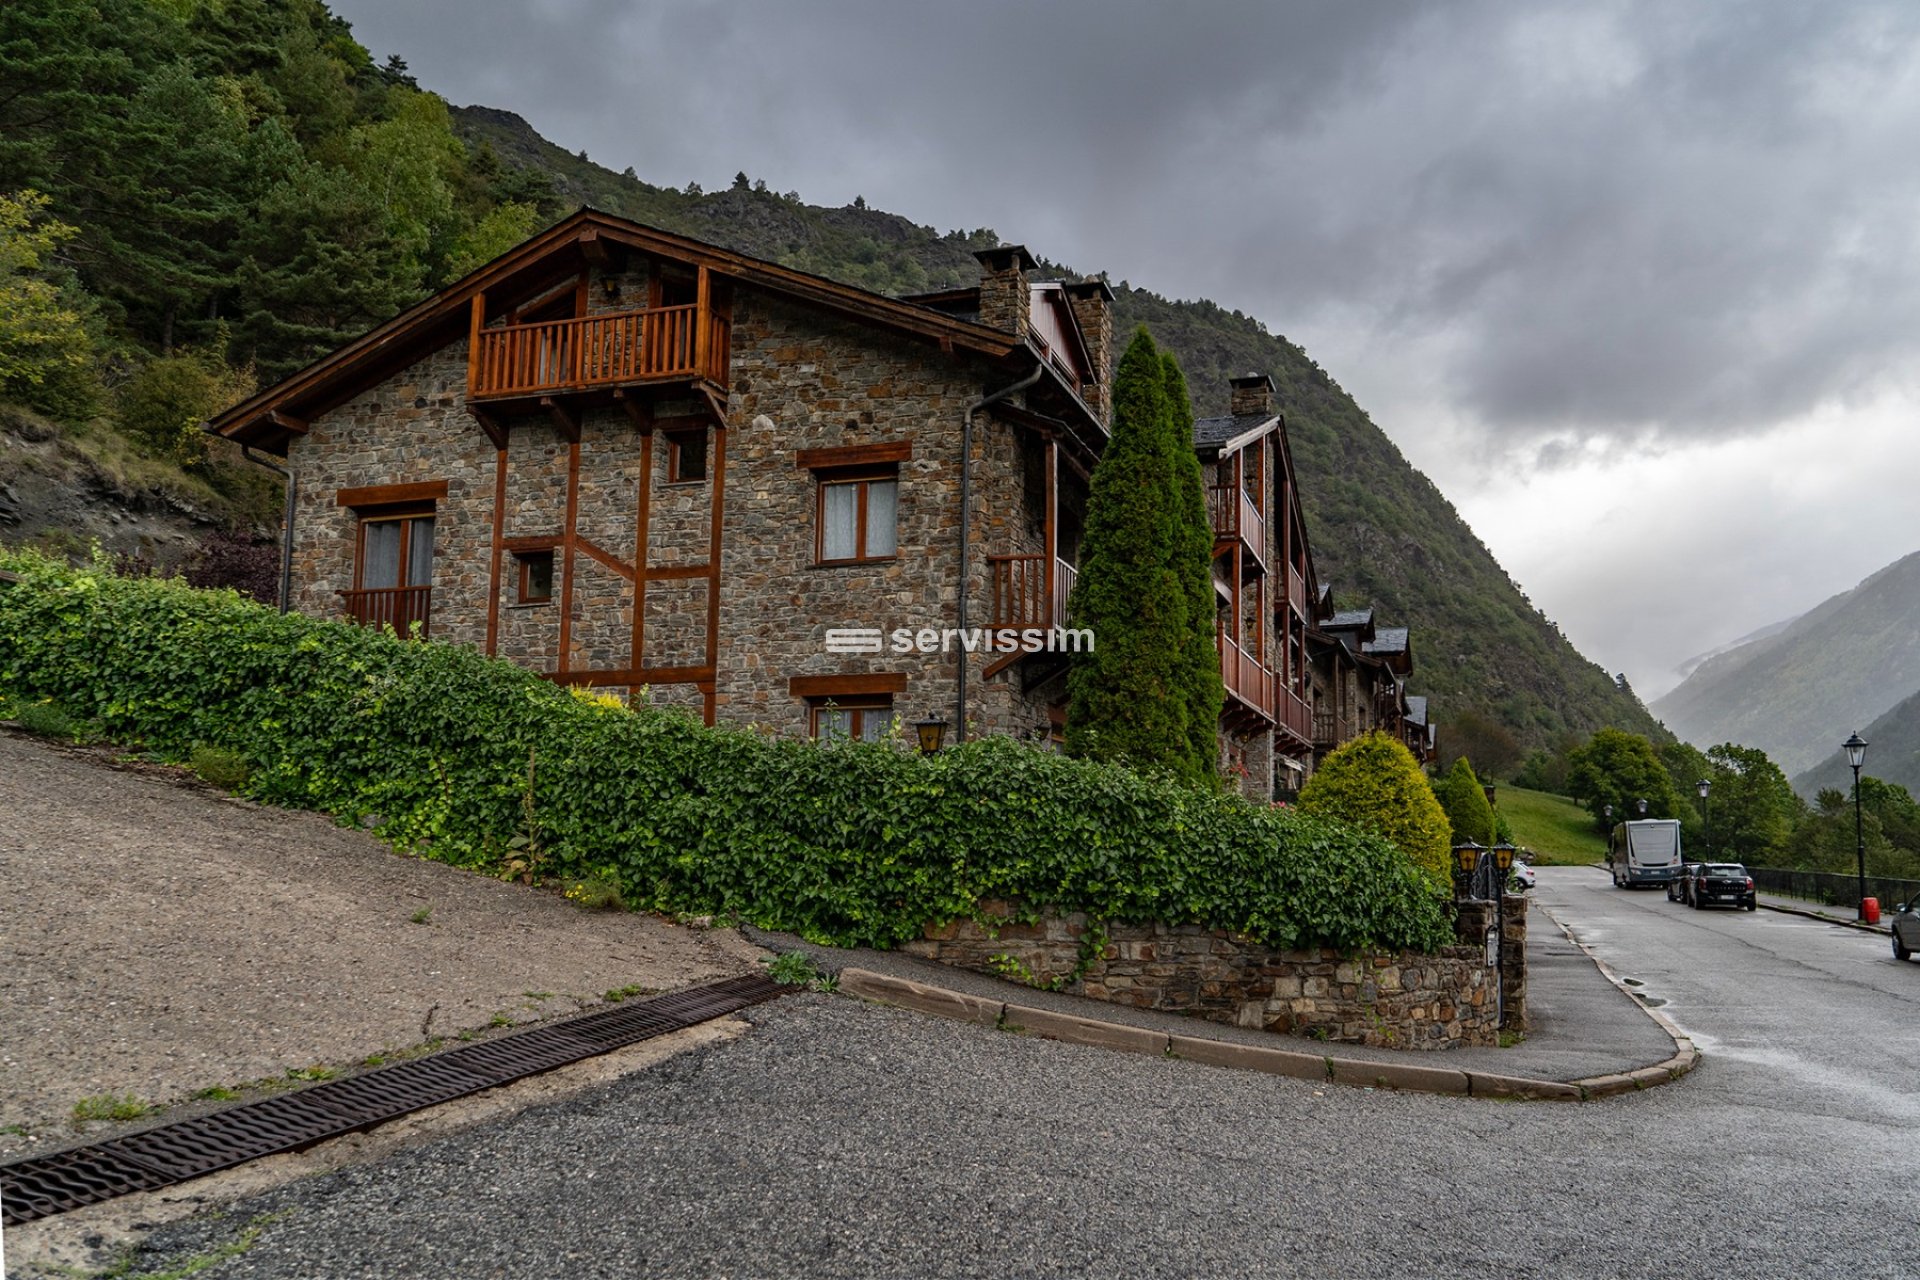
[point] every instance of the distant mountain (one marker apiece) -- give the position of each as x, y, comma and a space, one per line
1796, 694
1893, 754
1692, 664
1382, 534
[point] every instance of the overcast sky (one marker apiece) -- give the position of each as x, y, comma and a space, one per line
1636, 284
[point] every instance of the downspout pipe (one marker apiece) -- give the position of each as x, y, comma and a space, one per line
286, 524
966, 529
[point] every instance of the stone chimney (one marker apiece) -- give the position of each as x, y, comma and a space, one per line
1092, 303
1251, 394
1005, 302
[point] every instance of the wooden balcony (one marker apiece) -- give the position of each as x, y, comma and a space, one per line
1019, 589
1246, 680
1294, 715
1234, 515
614, 349
1330, 730
396, 607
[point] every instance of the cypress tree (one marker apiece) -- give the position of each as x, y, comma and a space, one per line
1127, 699
1193, 565
1465, 802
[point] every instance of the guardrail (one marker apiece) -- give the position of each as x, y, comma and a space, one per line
1833, 888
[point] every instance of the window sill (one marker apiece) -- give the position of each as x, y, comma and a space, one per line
681, 484
530, 604
855, 564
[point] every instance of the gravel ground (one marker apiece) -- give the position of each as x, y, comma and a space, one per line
159, 938
840, 1139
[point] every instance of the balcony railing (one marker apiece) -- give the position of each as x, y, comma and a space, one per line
616, 348
1235, 515
1330, 730
1019, 588
396, 607
1294, 715
1245, 678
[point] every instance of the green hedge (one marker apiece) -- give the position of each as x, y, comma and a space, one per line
846, 843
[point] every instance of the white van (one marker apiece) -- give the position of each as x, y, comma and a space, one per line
1646, 852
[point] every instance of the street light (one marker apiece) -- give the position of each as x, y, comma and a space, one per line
1856, 749
1706, 813
930, 732
1466, 858
1642, 804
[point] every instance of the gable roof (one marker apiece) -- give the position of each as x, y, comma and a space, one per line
1231, 431
269, 417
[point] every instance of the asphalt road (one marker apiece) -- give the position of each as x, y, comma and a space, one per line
838, 1139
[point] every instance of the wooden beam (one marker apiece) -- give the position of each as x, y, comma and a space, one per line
567, 544
565, 420
593, 248
495, 429
633, 675
386, 495
475, 324
702, 312
605, 557
287, 422
672, 572
640, 543
716, 402
499, 526
853, 455
831, 686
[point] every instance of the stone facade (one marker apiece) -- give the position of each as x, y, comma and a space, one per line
799, 379
1401, 1000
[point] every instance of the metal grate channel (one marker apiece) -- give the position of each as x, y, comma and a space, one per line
40, 1186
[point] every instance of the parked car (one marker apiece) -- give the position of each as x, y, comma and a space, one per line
1906, 930
1677, 888
1523, 877
1722, 882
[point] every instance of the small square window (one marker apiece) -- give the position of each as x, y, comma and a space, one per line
858, 519
536, 576
686, 457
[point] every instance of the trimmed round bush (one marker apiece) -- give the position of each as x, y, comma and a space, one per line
1375, 783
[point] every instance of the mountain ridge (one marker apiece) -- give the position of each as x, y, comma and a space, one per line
1796, 694
1383, 534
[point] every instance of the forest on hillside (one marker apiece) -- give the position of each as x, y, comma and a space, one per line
197, 198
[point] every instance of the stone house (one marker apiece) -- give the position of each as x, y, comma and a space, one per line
1359, 682
635, 461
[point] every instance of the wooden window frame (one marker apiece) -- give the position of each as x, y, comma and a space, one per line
858, 706
524, 561
862, 477
405, 513
677, 442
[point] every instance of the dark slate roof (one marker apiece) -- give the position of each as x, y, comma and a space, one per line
1348, 618
1387, 640
1417, 710
1211, 433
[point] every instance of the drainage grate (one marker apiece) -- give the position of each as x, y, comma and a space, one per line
44, 1185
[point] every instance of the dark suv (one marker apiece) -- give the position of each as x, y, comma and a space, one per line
1722, 882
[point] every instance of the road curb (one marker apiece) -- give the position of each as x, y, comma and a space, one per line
1807, 913
1685, 1056
1407, 1077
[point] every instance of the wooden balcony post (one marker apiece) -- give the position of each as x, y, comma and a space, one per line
473, 342
1053, 528
702, 309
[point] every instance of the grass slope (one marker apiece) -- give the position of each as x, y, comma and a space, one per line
1554, 829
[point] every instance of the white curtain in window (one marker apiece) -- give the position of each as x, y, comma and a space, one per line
839, 514
382, 566
833, 723
420, 553
874, 724
883, 499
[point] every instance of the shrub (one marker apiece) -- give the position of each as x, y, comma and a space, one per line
1469, 816
471, 758
1375, 783
48, 719
220, 767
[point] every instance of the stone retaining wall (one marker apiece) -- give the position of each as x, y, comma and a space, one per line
1404, 1000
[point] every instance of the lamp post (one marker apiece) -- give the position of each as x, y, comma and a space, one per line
1706, 812
1466, 857
1856, 749
1642, 806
